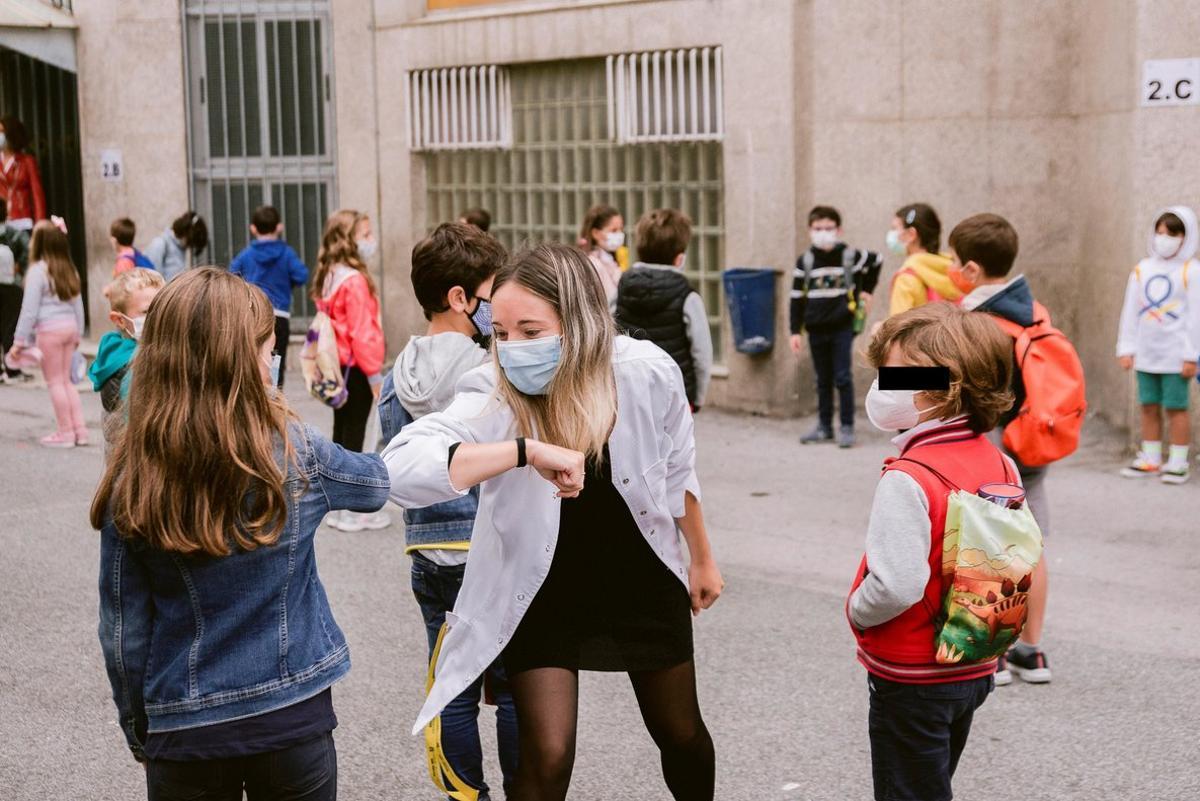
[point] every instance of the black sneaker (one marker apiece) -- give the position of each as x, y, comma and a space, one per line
1003, 674
818, 434
1034, 668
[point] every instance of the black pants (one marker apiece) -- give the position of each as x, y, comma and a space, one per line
283, 330
917, 735
304, 772
832, 353
10, 310
350, 421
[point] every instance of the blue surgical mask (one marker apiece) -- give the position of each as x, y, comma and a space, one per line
273, 365
481, 318
530, 364
894, 244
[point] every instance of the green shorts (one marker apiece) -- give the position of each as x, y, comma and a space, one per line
1169, 390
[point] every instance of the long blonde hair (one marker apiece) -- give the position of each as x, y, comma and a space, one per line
339, 247
51, 246
580, 407
197, 467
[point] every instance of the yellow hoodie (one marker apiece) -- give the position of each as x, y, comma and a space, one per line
921, 273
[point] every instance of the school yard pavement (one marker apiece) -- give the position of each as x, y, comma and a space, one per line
780, 689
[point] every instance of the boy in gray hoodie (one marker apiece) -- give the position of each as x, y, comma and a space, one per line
452, 272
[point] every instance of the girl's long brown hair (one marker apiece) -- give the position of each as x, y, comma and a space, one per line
50, 245
197, 468
338, 247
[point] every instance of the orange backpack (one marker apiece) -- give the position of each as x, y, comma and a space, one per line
1048, 423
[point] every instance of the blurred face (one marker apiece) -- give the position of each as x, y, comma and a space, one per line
610, 234
135, 309
518, 314
897, 358
964, 276
824, 234
363, 229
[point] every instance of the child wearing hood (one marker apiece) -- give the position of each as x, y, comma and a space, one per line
452, 272
270, 264
1160, 339
129, 297
916, 234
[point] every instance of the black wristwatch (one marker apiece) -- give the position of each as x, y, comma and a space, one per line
521, 460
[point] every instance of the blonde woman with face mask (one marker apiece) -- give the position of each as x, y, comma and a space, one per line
582, 443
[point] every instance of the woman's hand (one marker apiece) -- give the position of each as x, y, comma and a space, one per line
705, 582
562, 467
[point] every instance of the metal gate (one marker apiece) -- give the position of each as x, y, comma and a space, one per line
46, 99
261, 123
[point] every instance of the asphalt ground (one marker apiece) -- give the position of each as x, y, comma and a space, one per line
780, 689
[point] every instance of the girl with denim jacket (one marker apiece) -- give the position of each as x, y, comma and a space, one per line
217, 635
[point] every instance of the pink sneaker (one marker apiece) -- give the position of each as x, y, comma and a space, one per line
81, 437
58, 440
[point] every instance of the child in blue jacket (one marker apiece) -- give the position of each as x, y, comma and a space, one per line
271, 265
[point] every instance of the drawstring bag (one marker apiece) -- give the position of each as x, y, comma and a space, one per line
989, 552
320, 363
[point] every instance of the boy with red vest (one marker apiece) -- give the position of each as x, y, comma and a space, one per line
983, 249
920, 709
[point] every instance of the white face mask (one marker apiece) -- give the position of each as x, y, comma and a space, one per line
1166, 246
892, 409
823, 239
613, 241
138, 323
366, 247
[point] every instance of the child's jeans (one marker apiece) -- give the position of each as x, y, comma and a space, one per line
832, 356
436, 587
58, 346
917, 735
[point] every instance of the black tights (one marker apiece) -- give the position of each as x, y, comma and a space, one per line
547, 701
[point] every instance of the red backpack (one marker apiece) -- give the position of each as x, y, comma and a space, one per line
1048, 423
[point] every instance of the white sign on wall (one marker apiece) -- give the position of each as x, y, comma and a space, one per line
1171, 82
111, 168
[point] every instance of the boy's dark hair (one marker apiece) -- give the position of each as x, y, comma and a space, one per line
662, 235
123, 230
989, 240
977, 352
480, 218
455, 254
1172, 222
924, 219
266, 220
15, 134
824, 213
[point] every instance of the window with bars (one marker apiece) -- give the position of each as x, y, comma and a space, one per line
261, 122
563, 160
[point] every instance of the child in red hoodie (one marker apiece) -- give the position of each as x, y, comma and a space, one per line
920, 710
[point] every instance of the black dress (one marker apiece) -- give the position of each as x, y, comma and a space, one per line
608, 602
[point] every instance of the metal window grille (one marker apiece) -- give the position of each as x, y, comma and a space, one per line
666, 96
563, 161
261, 122
460, 108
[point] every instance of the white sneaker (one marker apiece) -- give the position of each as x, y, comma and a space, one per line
373, 521
1174, 473
344, 520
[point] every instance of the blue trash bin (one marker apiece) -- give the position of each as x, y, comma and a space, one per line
750, 294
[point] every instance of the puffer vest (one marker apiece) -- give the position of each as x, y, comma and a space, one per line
650, 306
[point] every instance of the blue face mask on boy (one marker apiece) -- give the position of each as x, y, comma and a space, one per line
530, 364
481, 318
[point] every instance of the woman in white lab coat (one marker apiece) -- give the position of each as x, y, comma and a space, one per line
582, 442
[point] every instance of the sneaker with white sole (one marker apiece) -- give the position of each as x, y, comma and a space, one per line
1174, 473
343, 520
1034, 668
1141, 467
1003, 674
373, 521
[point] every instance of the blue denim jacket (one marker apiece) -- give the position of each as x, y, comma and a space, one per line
438, 525
195, 640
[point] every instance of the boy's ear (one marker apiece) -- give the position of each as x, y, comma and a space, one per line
114, 317
456, 299
679, 259
973, 272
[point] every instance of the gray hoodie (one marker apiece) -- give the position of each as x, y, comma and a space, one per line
427, 370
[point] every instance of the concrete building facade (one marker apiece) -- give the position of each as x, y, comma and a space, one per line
1032, 110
